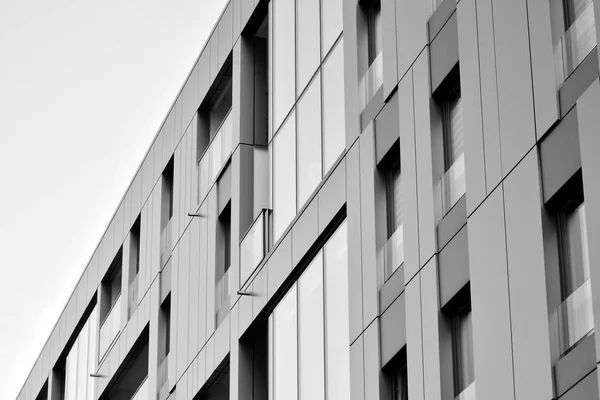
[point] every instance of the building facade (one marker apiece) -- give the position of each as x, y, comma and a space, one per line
366, 200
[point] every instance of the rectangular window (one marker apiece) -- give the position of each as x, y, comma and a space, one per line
308, 330
399, 380
284, 177
462, 349
164, 341
453, 129
134, 266
372, 10
166, 213
393, 198
573, 250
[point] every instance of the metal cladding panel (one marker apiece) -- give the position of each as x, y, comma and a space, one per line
352, 121
332, 195
225, 33
202, 279
189, 95
527, 278
194, 233
390, 56
210, 266
393, 330
430, 314
414, 339
148, 175
183, 304
411, 33
513, 67
422, 98
168, 138
357, 375
490, 300
542, 56
305, 231
203, 74
408, 166
444, 52
369, 251
354, 241
489, 95
174, 317
587, 116
372, 361
468, 51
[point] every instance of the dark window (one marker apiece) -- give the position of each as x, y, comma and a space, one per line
400, 383
462, 349
373, 14
111, 286
393, 198
225, 223
453, 129
573, 249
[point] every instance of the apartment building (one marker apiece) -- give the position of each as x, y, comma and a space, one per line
366, 200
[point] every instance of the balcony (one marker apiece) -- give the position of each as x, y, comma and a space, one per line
110, 327
253, 247
576, 43
222, 296
391, 255
133, 296
166, 246
574, 318
468, 393
142, 393
163, 372
451, 187
371, 81
215, 156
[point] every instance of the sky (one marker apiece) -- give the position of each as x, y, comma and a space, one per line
84, 87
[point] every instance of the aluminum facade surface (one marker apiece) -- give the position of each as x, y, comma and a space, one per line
493, 251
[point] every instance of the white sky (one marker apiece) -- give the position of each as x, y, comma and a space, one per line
84, 86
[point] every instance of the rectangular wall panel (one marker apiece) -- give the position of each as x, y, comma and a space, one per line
490, 302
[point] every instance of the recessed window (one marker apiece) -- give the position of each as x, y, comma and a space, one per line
453, 128
573, 249
393, 198
462, 349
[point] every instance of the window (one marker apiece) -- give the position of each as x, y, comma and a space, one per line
334, 124
284, 177
400, 383
462, 349
166, 212
573, 250
111, 287
308, 330
309, 141
453, 130
572, 9
393, 198
222, 274
164, 341
372, 13
225, 239
134, 266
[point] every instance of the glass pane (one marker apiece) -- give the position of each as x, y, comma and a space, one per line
312, 363
337, 321
285, 349
332, 24
284, 56
576, 250
308, 57
334, 139
466, 349
284, 177
456, 130
309, 141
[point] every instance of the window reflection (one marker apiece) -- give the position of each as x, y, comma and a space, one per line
334, 140
309, 141
284, 56
284, 177
308, 51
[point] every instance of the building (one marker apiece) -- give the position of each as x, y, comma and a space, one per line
335, 207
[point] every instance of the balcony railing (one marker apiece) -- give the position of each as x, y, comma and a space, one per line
163, 372
133, 295
253, 246
574, 318
142, 392
468, 393
576, 43
451, 186
371, 81
215, 156
166, 237
110, 327
391, 255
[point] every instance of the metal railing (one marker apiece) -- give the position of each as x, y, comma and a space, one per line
166, 237
215, 156
576, 43
468, 393
371, 81
253, 247
451, 187
133, 295
391, 255
163, 371
574, 318
142, 392
110, 327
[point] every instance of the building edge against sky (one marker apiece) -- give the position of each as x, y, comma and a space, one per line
375, 199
